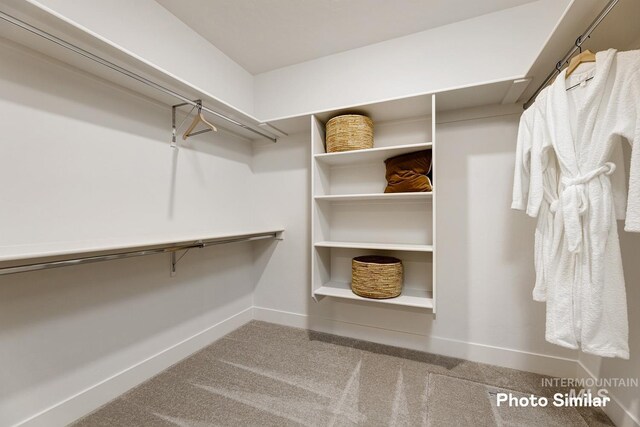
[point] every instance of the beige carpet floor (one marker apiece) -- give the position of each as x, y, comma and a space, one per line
268, 375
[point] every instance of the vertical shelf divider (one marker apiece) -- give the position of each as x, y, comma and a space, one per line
434, 166
317, 147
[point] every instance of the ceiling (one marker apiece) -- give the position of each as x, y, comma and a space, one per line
262, 35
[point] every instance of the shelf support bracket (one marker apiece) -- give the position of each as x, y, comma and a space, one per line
175, 128
172, 264
174, 260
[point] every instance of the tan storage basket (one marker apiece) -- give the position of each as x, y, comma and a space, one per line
349, 132
374, 276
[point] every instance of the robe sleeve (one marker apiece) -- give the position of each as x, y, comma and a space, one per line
523, 161
632, 222
619, 181
539, 164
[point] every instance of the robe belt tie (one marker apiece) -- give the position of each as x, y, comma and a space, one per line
574, 203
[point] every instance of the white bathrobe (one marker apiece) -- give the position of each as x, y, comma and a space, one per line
586, 301
535, 186
543, 176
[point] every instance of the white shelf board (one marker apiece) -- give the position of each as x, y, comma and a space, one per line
408, 298
380, 196
410, 106
75, 34
380, 246
86, 247
369, 155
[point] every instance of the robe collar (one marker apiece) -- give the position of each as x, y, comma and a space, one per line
558, 110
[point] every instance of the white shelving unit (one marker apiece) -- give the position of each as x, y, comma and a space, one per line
352, 216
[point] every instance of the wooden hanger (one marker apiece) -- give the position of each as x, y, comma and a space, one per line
197, 119
581, 58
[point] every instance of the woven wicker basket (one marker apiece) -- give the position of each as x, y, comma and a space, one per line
349, 132
375, 276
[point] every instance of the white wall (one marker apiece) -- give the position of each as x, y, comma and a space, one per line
497, 46
485, 253
83, 160
149, 31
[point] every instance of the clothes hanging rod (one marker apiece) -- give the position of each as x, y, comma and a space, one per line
169, 248
78, 50
577, 45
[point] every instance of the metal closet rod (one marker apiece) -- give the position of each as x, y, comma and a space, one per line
34, 30
129, 254
572, 51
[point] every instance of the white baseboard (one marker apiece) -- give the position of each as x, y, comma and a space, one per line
97, 395
532, 362
619, 414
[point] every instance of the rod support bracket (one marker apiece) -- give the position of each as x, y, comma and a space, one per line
174, 260
172, 264
176, 127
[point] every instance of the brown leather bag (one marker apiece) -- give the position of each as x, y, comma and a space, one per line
408, 172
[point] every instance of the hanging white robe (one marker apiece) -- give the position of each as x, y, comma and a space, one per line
543, 193
535, 186
586, 302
